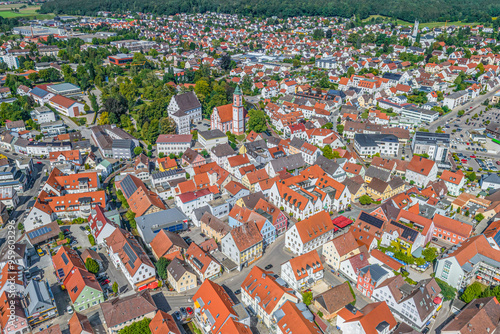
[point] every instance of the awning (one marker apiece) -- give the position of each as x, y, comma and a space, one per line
152, 285
341, 221
496, 279
438, 300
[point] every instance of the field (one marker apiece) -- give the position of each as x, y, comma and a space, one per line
28, 12
430, 25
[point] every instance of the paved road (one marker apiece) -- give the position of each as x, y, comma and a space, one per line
454, 113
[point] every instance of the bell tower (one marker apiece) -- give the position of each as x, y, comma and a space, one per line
238, 117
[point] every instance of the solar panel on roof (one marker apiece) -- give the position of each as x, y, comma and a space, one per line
65, 258
39, 232
408, 233
60, 273
130, 253
128, 186
374, 221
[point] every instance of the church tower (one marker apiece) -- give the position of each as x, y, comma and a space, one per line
238, 115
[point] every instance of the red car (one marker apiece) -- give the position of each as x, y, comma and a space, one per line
464, 160
189, 310
39, 162
473, 156
106, 281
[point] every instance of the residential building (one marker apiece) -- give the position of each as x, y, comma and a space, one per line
414, 115
203, 264
213, 227
479, 316
214, 310
435, 145
173, 144
101, 226
371, 144
414, 305
163, 323
123, 311
83, 288
333, 300
80, 324
142, 201
38, 302
292, 317
66, 106
184, 109
13, 319
302, 271
340, 249
454, 181
309, 234
171, 220
265, 294
472, 260
114, 142
373, 318
180, 276
243, 244
370, 277
455, 99
421, 171
168, 245
127, 254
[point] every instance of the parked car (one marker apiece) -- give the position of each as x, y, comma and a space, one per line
269, 266
183, 312
189, 310
177, 316
69, 309
82, 228
237, 292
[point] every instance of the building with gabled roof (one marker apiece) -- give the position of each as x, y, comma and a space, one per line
83, 288
421, 171
341, 248
101, 226
481, 315
302, 271
168, 245
65, 260
142, 201
127, 254
265, 294
163, 323
243, 244
80, 324
203, 264
13, 320
181, 276
213, 309
309, 234
415, 305
371, 319
474, 259
370, 277
295, 318
123, 311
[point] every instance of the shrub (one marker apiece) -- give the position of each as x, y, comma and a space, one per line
307, 297
92, 265
91, 240
472, 292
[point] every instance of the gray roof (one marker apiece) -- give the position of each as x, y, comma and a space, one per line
223, 150
289, 162
37, 297
120, 310
186, 102
378, 173
431, 138
492, 178
178, 268
122, 143
376, 271
211, 134
150, 224
372, 139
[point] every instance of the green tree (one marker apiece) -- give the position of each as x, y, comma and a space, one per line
161, 267
472, 292
479, 217
138, 327
257, 121
447, 290
91, 240
327, 152
365, 200
115, 287
307, 297
130, 215
429, 254
461, 113
92, 265
138, 150
340, 129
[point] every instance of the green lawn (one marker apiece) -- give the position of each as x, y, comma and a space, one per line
30, 11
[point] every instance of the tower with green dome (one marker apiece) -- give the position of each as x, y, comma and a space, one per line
238, 112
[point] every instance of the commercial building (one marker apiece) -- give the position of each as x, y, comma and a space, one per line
370, 144
435, 145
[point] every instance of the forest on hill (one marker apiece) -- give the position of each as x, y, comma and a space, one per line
408, 10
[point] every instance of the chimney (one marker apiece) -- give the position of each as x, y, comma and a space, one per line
481, 305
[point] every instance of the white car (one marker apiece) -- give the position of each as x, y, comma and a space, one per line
69, 309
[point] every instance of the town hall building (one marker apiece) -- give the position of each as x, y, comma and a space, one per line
230, 117
184, 109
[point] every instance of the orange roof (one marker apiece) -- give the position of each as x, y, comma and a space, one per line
421, 165
314, 226
69, 155
452, 225
301, 263
257, 176
262, 284
66, 259
294, 321
238, 160
212, 297
142, 198
225, 113
452, 177
163, 323
386, 259
77, 280
370, 317
195, 252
